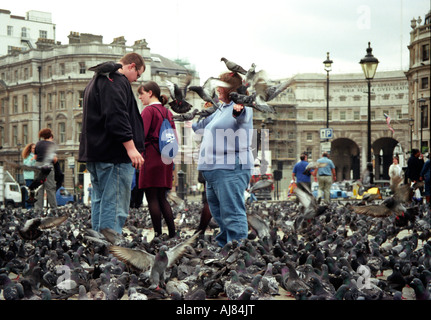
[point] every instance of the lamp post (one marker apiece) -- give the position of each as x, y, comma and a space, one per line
369, 66
328, 67
422, 106
411, 122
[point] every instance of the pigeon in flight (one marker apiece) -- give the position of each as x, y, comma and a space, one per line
186, 116
207, 92
268, 92
394, 204
178, 95
105, 69
232, 66
33, 228
252, 101
159, 262
207, 112
310, 208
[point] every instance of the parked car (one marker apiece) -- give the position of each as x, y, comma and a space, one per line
336, 192
63, 197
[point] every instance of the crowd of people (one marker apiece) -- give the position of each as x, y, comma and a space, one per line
119, 146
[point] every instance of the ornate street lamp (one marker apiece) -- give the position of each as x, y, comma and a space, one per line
411, 122
328, 67
422, 106
369, 66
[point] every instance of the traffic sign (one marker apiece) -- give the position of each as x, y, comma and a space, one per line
326, 133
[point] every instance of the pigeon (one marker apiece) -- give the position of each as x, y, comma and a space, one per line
421, 292
207, 92
268, 92
204, 113
232, 66
178, 95
186, 116
310, 208
11, 290
261, 184
256, 223
291, 281
105, 69
249, 76
33, 228
391, 205
252, 101
158, 262
233, 287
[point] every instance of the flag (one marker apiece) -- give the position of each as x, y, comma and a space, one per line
388, 121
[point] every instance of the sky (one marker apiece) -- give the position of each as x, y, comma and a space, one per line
282, 37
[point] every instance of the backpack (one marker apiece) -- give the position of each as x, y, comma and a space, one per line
168, 143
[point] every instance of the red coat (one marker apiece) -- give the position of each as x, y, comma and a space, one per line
155, 173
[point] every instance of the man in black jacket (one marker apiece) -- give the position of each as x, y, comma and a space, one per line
414, 166
111, 142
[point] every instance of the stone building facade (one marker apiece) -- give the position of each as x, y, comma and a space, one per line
44, 87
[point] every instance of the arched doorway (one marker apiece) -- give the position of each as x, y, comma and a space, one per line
345, 155
383, 150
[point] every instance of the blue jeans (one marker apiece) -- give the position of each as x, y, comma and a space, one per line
225, 196
110, 198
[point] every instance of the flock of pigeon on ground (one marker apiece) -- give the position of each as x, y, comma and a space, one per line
367, 249
335, 254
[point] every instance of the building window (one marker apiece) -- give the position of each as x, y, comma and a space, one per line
386, 97
43, 34
309, 115
373, 115
78, 131
62, 69
342, 115
424, 83
343, 98
26, 74
25, 103
24, 32
62, 132
309, 136
24, 134
356, 98
399, 115
356, 115
49, 71
14, 135
80, 99
2, 135
425, 52
425, 117
10, 30
62, 104
2, 106
49, 102
82, 68
15, 104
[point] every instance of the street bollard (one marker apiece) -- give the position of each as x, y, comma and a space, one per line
181, 191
